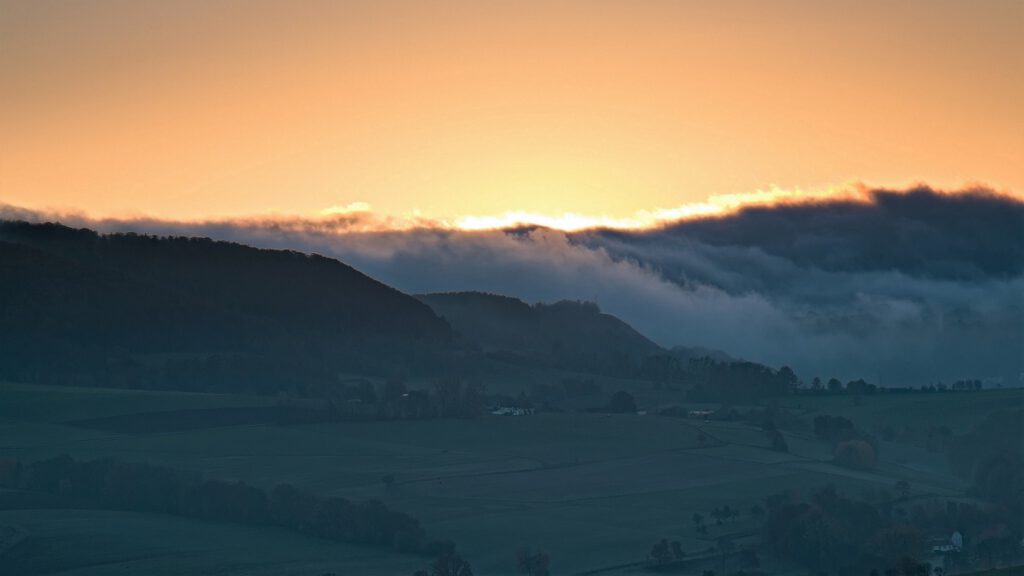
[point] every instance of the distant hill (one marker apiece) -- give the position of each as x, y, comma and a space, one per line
128, 310
685, 354
75, 301
567, 334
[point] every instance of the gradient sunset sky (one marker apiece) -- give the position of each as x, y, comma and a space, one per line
196, 109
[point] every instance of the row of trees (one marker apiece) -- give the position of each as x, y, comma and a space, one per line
712, 380
108, 484
835, 386
737, 382
859, 386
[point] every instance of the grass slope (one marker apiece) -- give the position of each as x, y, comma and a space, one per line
593, 490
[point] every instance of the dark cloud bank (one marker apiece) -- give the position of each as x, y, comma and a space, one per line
908, 287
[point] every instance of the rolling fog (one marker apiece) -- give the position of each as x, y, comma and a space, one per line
907, 288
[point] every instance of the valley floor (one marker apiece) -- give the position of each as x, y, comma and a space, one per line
594, 491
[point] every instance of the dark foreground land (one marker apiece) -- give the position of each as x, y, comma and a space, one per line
593, 491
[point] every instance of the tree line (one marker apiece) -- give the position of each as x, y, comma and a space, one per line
829, 532
142, 487
859, 387
711, 380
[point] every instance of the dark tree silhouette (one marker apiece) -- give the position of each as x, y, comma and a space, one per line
661, 553
141, 487
856, 454
622, 402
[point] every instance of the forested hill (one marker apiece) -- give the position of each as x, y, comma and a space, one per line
74, 296
568, 334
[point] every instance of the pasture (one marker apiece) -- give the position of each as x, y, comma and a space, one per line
915, 412
592, 490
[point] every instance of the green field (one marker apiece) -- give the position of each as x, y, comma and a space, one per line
918, 411
592, 490
94, 543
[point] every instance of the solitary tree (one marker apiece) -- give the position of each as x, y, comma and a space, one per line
718, 515
757, 511
788, 379
727, 512
622, 402
856, 454
661, 553
677, 550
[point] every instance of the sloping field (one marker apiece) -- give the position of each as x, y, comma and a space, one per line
94, 543
957, 410
31, 402
592, 490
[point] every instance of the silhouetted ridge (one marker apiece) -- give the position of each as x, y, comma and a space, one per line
566, 333
308, 291
81, 296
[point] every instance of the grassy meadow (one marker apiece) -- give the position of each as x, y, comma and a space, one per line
593, 490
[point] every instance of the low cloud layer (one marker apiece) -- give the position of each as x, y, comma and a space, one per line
901, 288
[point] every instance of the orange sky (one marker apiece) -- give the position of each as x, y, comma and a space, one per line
192, 109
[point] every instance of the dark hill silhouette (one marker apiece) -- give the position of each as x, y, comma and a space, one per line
566, 334
77, 297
